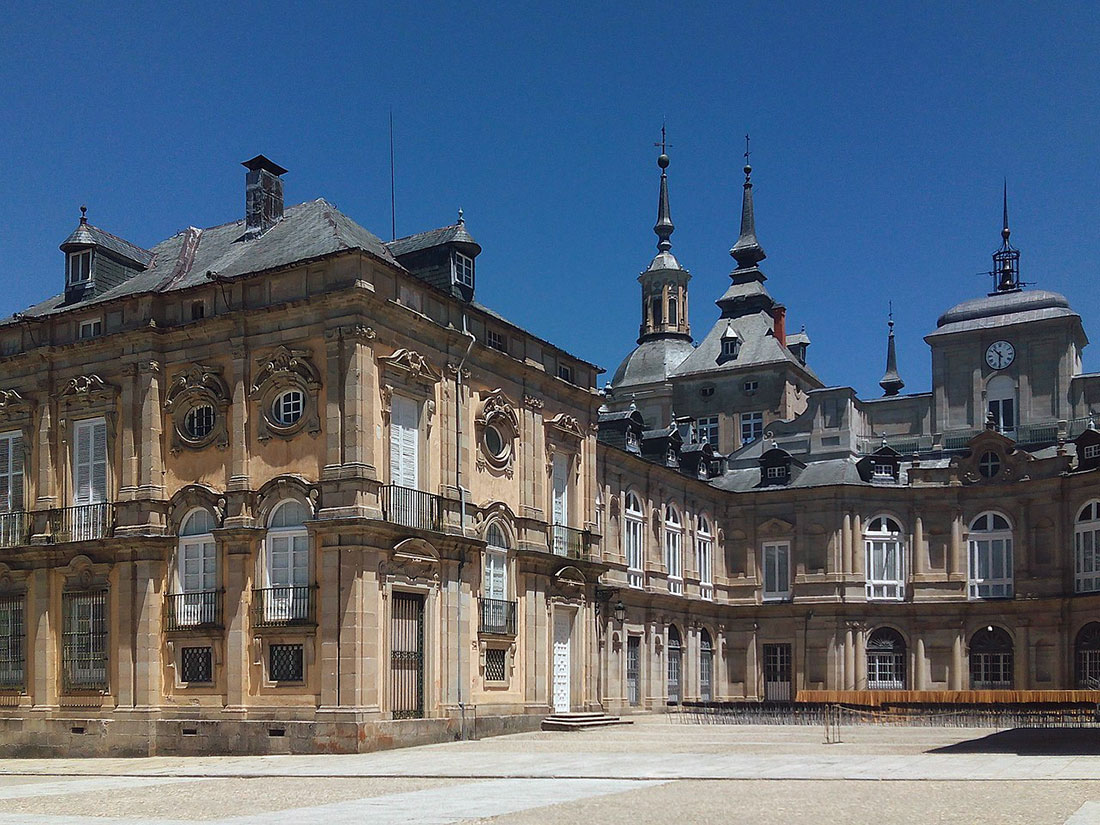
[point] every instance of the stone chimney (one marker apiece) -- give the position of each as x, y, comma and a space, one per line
779, 317
263, 189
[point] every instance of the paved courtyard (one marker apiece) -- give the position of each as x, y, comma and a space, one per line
655, 771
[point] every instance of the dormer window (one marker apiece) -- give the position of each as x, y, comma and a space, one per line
80, 267
92, 328
731, 347
776, 473
1092, 451
884, 470
565, 373
464, 270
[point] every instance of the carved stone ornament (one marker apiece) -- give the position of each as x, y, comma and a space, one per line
566, 425
14, 407
198, 402
281, 373
87, 390
497, 428
532, 402
412, 366
412, 562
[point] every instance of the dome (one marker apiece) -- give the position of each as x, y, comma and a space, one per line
1030, 301
653, 360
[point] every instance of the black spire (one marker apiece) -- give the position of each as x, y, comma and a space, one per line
1006, 260
891, 382
747, 251
664, 226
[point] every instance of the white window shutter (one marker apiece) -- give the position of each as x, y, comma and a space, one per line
99, 462
404, 443
5, 473
15, 496
561, 490
82, 470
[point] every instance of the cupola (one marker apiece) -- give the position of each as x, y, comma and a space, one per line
96, 261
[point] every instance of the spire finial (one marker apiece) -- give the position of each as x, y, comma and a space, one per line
1005, 232
461, 220
83, 215
891, 382
664, 226
1006, 260
747, 251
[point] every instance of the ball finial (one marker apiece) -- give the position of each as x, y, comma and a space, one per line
662, 160
747, 170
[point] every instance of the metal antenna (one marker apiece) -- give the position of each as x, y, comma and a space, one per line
393, 186
746, 150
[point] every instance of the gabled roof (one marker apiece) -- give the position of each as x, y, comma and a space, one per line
306, 232
759, 346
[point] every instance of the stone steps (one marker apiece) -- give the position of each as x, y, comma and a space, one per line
580, 721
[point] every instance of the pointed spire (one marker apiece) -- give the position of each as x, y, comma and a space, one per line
747, 251
1006, 260
664, 226
891, 382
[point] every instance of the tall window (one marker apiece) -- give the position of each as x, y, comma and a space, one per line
1086, 659
672, 311
1000, 394
286, 572
633, 670
991, 660
885, 660
657, 315
198, 569
777, 570
404, 442
884, 546
495, 585
80, 267
708, 430
464, 270
752, 427
634, 530
706, 667
704, 544
990, 557
1086, 548
563, 542
84, 634
12, 519
12, 654
674, 555
675, 665
90, 462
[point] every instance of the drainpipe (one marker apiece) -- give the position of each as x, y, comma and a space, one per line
461, 516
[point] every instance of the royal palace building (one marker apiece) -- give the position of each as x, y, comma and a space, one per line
278, 485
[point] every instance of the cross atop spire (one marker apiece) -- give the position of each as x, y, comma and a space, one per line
664, 226
747, 251
891, 382
1006, 260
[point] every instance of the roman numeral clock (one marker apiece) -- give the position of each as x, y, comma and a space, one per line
1000, 354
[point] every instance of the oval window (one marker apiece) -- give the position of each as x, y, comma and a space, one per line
288, 407
199, 422
989, 464
495, 443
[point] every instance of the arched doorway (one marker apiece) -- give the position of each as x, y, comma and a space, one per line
1086, 657
991, 659
885, 660
675, 665
706, 667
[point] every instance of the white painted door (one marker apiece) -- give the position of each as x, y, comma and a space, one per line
404, 443
563, 632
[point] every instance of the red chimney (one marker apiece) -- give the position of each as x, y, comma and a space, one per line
779, 316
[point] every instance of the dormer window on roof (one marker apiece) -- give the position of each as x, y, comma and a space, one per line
80, 267
463, 270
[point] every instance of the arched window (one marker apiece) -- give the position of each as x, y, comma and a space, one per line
1086, 657
198, 570
885, 660
286, 568
991, 659
706, 667
1086, 548
675, 662
657, 315
884, 546
990, 557
1000, 396
632, 536
674, 555
497, 613
672, 311
704, 557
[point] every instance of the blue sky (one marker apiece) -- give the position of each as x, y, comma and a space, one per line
881, 135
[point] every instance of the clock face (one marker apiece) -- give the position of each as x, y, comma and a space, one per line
1000, 354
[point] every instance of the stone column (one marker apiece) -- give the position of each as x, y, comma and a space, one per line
861, 658
122, 632
330, 600
846, 544
920, 557
43, 636
240, 435
151, 467
129, 447
920, 666
148, 601
752, 669
334, 413
849, 659
956, 564
238, 638
959, 672
858, 552
47, 490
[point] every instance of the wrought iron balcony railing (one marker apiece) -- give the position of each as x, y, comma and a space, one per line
498, 616
412, 508
197, 609
284, 606
82, 522
568, 541
13, 528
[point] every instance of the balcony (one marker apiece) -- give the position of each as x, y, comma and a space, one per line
81, 523
192, 611
284, 606
13, 528
412, 508
568, 541
498, 616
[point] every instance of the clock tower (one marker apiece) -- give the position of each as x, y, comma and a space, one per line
1011, 355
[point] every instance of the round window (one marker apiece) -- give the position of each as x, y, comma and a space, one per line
288, 407
495, 442
199, 422
989, 464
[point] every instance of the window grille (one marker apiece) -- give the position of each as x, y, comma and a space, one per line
1086, 538
885, 660
285, 663
1087, 658
84, 640
633, 669
12, 653
674, 665
196, 664
495, 340
777, 673
495, 662
991, 660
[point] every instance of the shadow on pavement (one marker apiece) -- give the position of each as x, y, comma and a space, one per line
1032, 742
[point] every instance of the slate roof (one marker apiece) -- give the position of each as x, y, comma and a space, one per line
759, 346
1002, 309
652, 360
815, 474
456, 233
87, 235
307, 231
